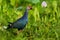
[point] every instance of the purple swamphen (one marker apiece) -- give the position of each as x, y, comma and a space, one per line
21, 22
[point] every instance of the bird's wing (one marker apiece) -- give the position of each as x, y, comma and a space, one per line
19, 23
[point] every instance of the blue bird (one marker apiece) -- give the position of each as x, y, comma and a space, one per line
21, 22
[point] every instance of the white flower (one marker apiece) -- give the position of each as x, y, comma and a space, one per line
44, 4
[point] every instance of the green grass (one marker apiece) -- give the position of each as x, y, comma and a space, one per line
43, 23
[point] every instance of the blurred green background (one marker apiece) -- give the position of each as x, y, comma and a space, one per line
43, 23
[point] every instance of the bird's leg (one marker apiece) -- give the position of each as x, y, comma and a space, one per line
19, 31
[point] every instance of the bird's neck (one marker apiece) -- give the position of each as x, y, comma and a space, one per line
25, 13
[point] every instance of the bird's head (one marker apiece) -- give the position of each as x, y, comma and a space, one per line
29, 7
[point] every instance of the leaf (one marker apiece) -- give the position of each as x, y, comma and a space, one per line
54, 4
33, 1
0, 1
36, 14
13, 2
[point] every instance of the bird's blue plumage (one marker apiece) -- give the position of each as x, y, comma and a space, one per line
21, 22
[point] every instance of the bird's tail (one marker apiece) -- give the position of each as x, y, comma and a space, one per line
9, 26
